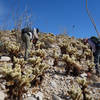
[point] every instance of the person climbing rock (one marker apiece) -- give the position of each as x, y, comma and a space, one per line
28, 35
1, 43
94, 43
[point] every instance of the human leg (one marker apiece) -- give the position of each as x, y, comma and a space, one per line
26, 40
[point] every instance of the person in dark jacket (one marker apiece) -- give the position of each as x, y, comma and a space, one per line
28, 35
94, 43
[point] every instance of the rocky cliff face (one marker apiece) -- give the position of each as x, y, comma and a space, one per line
59, 68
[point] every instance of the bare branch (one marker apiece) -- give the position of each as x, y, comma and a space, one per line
92, 20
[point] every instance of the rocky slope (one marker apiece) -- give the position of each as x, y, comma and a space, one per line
62, 68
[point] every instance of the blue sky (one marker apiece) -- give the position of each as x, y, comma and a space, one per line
55, 16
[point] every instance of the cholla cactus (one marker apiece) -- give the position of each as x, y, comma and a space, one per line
72, 64
20, 61
83, 85
90, 65
82, 81
21, 77
88, 52
74, 51
18, 79
48, 40
40, 45
12, 47
75, 93
37, 65
35, 60
67, 58
71, 50
81, 92
63, 47
40, 53
55, 56
40, 68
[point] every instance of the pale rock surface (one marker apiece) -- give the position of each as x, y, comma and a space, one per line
39, 95
55, 97
30, 98
83, 75
2, 95
53, 84
5, 58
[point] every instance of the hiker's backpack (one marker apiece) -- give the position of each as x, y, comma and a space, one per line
27, 30
96, 41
